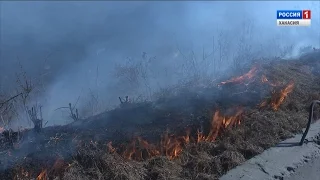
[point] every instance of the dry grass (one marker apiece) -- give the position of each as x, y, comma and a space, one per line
261, 128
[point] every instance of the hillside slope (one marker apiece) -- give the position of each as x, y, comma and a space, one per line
193, 133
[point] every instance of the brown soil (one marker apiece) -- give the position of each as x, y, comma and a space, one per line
81, 147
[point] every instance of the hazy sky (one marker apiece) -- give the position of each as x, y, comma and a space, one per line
69, 42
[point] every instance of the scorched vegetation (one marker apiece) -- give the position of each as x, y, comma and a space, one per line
195, 132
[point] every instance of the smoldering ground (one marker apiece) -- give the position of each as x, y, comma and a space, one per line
73, 48
89, 53
79, 150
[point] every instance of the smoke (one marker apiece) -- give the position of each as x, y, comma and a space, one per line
74, 47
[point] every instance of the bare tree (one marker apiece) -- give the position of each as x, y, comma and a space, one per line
36, 117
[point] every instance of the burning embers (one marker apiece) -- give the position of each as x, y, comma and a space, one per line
171, 145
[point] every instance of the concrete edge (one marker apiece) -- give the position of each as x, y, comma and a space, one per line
280, 161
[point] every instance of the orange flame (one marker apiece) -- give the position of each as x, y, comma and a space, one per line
242, 78
186, 138
277, 100
43, 175
135, 150
169, 146
233, 120
130, 150
200, 137
219, 121
172, 146
151, 149
216, 123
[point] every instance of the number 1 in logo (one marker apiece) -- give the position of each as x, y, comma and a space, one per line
306, 14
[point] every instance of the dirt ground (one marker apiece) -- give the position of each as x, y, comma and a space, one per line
197, 133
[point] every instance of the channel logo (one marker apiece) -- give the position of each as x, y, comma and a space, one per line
293, 17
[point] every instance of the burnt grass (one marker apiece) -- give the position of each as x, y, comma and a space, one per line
78, 151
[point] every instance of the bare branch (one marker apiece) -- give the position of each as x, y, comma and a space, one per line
8, 100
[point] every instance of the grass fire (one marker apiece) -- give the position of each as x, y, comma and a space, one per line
203, 137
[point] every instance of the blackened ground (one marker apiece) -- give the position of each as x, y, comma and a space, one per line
81, 146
